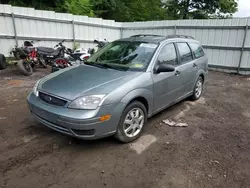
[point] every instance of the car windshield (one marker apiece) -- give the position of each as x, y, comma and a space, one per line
124, 55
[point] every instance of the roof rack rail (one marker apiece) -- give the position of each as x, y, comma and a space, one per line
180, 36
146, 35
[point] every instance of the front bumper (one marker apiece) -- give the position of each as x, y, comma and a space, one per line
84, 124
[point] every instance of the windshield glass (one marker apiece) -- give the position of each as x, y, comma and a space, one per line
124, 55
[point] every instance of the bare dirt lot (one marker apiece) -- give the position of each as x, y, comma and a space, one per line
213, 151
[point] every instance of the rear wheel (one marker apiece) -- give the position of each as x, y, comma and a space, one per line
132, 122
3, 63
198, 88
25, 67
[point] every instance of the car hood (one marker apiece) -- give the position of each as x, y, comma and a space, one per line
74, 82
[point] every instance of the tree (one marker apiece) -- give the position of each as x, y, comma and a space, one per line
129, 10
79, 7
137, 10
37, 4
200, 9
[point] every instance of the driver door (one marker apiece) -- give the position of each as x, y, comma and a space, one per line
168, 86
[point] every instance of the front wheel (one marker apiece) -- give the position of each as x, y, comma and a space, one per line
198, 88
42, 62
132, 122
25, 67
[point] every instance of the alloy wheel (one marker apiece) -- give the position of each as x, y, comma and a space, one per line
198, 88
133, 122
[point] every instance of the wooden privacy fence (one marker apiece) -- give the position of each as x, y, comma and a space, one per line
226, 41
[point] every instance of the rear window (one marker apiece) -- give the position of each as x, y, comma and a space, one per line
185, 52
197, 49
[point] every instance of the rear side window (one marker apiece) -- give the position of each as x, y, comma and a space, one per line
197, 49
185, 52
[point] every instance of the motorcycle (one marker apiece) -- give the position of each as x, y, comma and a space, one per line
30, 56
50, 54
100, 44
69, 58
79, 56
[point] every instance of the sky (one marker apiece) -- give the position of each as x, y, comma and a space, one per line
243, 9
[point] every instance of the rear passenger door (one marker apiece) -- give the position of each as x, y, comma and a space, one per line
188, 65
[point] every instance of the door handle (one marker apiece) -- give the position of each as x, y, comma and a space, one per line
177, 73
194, 65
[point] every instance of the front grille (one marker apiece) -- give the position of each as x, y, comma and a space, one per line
52, 100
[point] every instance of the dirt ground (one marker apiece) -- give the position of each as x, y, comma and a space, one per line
213, 151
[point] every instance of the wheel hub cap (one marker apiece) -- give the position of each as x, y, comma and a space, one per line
133, 122
198, 88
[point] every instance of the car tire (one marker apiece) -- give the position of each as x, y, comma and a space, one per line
198, 89
130, 128
3, 63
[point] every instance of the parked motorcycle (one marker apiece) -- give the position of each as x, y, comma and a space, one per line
30, 56
69, 58
50, 54
79, 56
100, 43
75, 58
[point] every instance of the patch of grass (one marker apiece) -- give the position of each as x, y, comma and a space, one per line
11, 60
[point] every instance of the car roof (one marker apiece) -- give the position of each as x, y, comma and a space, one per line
157, 38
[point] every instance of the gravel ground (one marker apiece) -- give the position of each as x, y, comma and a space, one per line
213, 151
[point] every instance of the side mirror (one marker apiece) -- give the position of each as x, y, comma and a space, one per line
164, 68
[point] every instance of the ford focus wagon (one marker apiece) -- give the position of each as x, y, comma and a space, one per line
118, 88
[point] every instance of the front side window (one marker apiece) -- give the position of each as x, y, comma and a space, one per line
197, 49
185, 52
124, 55
168, 55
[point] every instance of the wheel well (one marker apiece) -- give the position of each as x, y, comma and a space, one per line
202, 76
142, 100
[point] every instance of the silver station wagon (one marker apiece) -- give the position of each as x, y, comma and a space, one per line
118, 88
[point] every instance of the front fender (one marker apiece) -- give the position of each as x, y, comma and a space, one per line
145, 93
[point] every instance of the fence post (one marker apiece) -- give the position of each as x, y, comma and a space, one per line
14, 26
121, 32
175, 30
73, 31
242, 48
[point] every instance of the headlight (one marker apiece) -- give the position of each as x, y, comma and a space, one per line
87, 102
35, 92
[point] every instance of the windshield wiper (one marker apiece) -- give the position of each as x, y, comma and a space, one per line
108, 65
104, 65
95, 64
